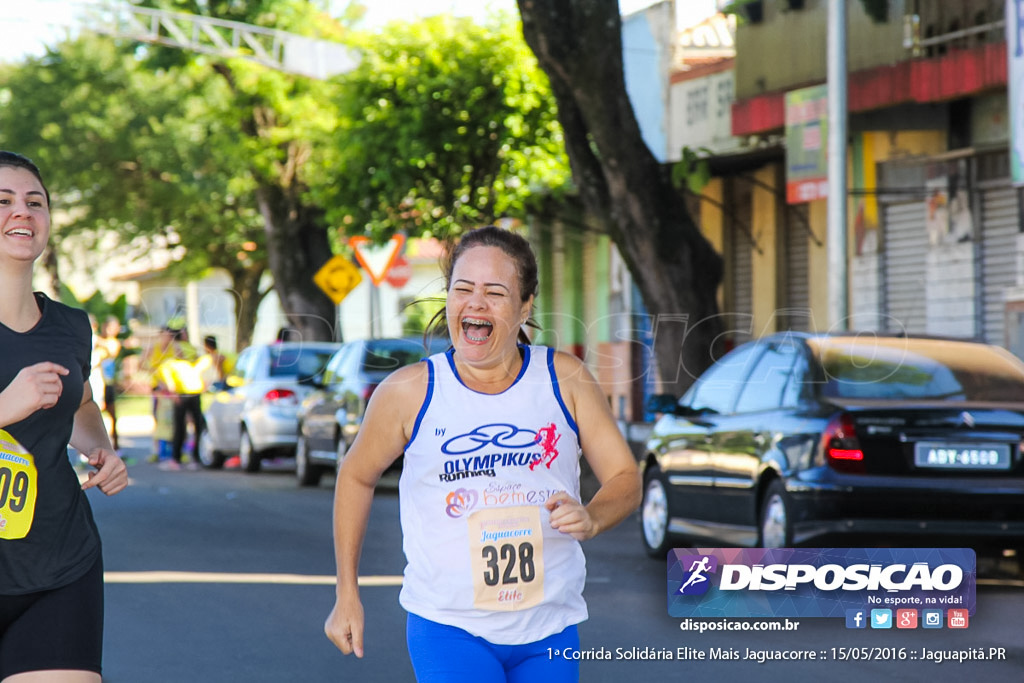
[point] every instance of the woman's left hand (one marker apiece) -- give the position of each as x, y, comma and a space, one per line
110, 475
569, 516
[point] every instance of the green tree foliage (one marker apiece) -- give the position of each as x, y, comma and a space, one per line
444, 125
147, 154
280, 122
235, 165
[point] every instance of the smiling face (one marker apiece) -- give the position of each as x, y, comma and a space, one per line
24, 215
485, 308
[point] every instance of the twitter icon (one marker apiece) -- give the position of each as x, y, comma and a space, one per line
881, 618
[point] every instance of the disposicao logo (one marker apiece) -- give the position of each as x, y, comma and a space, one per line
814, 582
697, 580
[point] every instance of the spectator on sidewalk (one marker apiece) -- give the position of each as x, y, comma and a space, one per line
108, 345
179, 375
213, 365
95, 361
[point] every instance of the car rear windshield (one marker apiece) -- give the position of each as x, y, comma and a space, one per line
298, 361
391, 354
918, 369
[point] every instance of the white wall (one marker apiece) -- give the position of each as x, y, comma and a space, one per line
700, 115
646, 60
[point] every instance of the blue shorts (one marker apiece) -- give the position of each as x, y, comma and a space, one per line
447, 654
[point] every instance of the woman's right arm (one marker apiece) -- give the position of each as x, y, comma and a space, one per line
386, 428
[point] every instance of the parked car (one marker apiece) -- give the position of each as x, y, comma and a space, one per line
255, 416
795, 438
330, 415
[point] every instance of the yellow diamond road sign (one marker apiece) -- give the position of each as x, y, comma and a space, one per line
337, 278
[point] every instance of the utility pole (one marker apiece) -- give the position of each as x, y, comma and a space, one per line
838, 284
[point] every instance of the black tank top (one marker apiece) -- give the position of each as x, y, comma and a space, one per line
55, 542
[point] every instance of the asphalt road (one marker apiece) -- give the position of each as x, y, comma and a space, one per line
217, 577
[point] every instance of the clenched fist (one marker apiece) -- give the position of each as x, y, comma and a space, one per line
36, 387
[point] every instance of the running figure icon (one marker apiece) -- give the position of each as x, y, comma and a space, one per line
547, 438
697, 570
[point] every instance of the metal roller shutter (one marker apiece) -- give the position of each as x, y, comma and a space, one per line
741, 266
998, 268
906, 243
798, 294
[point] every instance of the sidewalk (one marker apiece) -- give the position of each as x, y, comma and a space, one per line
134, 425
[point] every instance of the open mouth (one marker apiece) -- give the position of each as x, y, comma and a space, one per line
476, 329
20, 232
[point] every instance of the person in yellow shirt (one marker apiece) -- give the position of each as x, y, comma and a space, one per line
213, 365
180, 377
156, 352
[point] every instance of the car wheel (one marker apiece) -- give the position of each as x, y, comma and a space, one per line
654, 515
210, 459
248, 458
776, 517
306, 472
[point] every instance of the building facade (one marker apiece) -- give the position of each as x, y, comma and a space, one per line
933, 220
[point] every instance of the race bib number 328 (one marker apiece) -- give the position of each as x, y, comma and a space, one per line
17, 488
506, 548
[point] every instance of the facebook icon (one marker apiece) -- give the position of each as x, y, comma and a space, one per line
856, 618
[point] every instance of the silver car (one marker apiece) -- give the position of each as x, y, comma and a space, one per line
255, 416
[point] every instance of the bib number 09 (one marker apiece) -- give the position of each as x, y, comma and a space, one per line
508, 556
13, 489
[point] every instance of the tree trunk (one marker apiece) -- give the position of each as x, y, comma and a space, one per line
297, 244
245, 285
297, 247
578, 43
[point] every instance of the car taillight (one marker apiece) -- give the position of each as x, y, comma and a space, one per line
840, 446
368, 392
275, 395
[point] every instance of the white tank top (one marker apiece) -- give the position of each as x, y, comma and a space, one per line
481, 554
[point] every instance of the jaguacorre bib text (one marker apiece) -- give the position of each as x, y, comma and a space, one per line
18, 485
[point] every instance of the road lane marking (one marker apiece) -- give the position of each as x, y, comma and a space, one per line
231, 577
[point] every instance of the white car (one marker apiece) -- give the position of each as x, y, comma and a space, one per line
255, 416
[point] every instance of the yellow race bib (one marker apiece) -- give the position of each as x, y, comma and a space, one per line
18, 483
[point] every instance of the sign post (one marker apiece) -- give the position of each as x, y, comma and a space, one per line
377, 261
1015, 86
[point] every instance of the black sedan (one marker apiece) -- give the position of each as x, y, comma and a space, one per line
797, 438
330, 416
